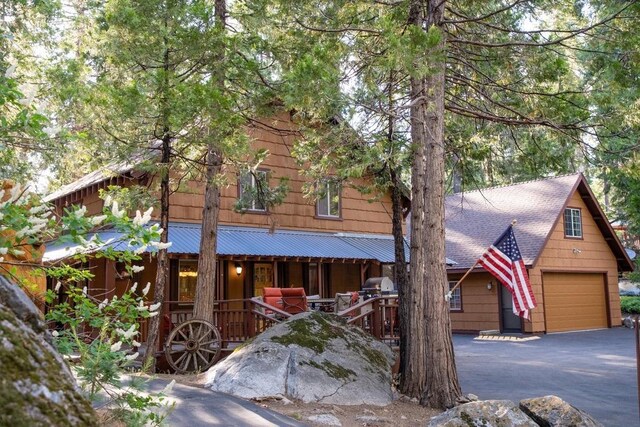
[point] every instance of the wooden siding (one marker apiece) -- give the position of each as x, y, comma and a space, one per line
480, 309
558, 255
344, 278
358, 214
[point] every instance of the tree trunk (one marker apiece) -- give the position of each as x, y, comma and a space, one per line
401, 275
207, 259
205, 293
430, 369
162, 271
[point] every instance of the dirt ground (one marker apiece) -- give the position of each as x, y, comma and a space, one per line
401, 413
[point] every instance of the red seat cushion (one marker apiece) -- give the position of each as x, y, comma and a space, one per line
273, 297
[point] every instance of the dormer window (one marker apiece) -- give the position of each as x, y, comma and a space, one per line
328, 205
251, 188
573, 223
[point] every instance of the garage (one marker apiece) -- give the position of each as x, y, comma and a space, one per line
574, 301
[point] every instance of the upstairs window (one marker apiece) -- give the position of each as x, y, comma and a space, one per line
455, 303
328, 205
572, 223
251, 190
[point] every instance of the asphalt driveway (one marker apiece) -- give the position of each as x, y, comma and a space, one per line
593, 370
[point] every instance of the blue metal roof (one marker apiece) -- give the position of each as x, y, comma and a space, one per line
250, 241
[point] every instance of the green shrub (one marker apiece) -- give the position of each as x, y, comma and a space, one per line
630, 305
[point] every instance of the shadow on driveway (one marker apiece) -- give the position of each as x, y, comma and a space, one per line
593, 370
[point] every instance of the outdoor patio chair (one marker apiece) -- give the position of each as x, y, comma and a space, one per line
345, 300
294, 300
272, 297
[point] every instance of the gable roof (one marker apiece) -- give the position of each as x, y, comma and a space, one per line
475, 219
95, 177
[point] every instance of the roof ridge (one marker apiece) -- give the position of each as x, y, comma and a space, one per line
516, 183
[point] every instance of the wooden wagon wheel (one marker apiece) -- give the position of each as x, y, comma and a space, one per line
193, 346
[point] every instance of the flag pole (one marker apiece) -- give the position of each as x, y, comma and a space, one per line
448, 294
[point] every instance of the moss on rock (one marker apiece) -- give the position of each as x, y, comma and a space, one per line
36, 388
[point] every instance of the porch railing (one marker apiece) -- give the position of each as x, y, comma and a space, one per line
377, 316
236, 320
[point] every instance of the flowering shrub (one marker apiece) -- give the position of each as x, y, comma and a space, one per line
101, 334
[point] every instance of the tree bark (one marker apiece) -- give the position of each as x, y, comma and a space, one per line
206, 282
162, 271
205, 293
401, 274
430, 371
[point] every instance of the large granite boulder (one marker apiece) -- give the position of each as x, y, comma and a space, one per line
551, 411
36, 386
485, 413
312, 357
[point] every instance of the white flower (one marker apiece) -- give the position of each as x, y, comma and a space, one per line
167, 389
108, 200
1, 258
97, 220
137, 268
57, 288
55, 333
115, 211
154, 307
79, 213
135, 343
132, 357
145, 291
36, 209
129, 333
161, 245
3, 250
84, 291
116, 347
51, 131
154, 313
134, 287
142, 249
103, 304
25, 231
142, 219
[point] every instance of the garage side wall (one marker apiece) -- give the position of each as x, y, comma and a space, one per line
480, 310
591, 254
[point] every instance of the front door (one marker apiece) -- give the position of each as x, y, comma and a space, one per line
509, 321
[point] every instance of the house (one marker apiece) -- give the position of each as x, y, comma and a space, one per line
327, 246
336, 243
572, 254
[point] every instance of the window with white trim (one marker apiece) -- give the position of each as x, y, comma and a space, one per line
328, 204
572, 222
455, 303
251, 187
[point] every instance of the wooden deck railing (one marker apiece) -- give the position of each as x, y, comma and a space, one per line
239, 320
236, 320
377, 316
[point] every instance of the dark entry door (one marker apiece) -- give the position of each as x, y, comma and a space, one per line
510, 322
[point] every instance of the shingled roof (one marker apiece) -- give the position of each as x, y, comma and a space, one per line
475, 219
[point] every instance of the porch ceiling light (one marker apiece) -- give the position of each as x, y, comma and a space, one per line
238, 268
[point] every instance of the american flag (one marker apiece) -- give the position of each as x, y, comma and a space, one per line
504, 261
